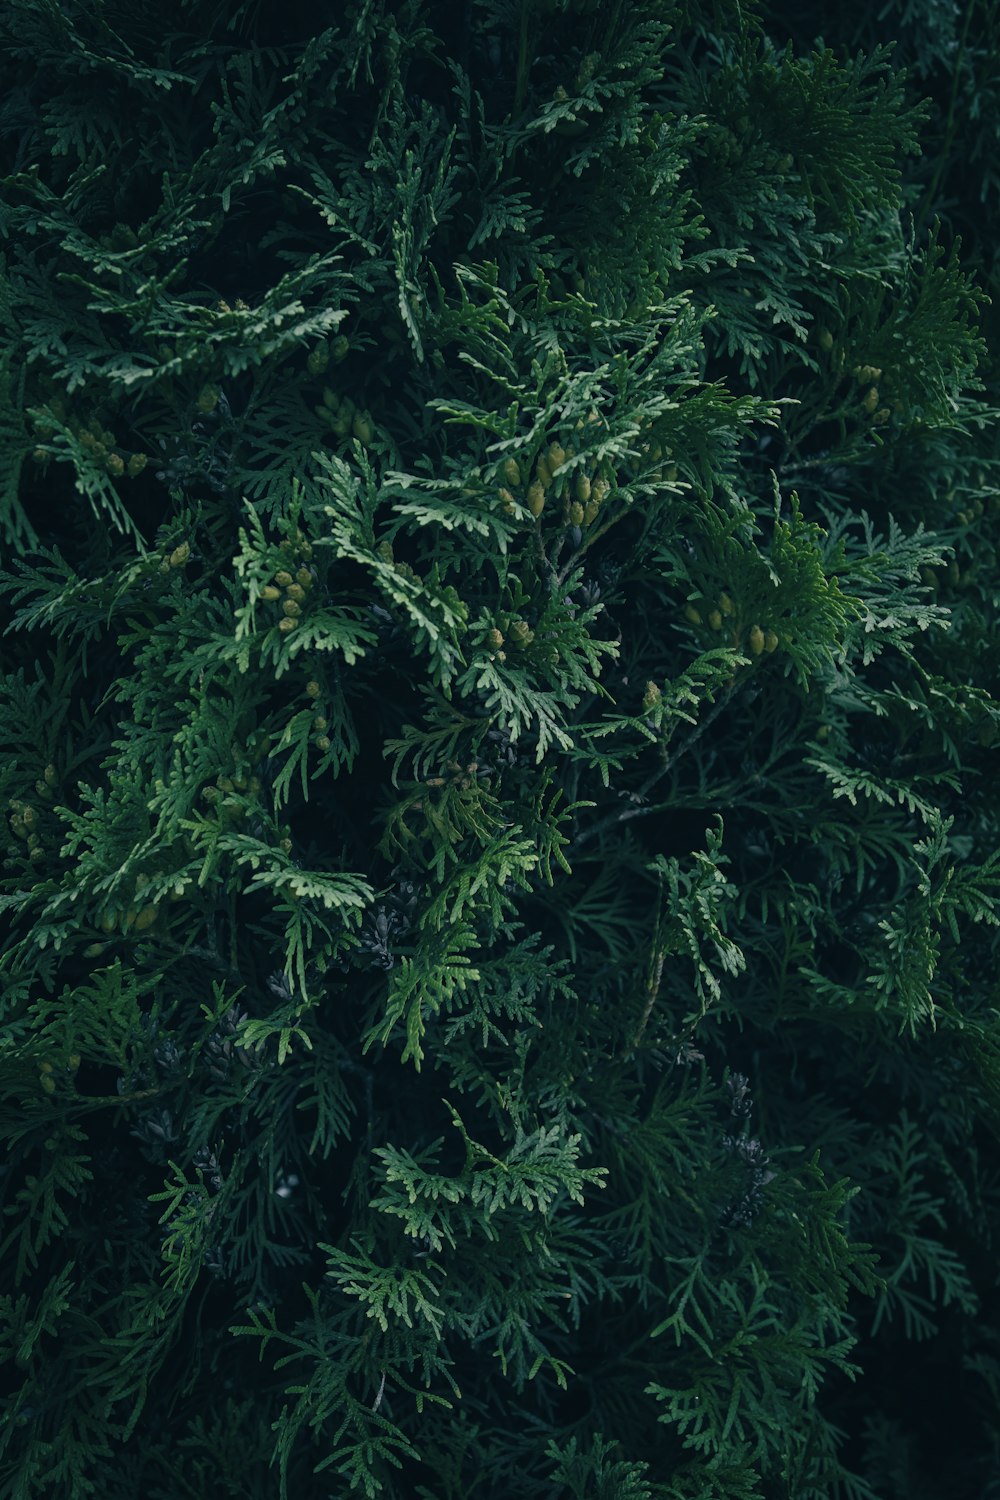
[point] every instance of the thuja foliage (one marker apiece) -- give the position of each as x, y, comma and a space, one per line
500, 818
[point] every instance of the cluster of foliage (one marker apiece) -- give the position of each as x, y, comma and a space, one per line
499, 874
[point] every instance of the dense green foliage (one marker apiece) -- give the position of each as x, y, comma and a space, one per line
499, 989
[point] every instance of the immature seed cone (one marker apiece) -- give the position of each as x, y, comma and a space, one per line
270, 592
770, 641
136, 464
536, 499
576, 513
511, 472
692, 615
651, 697
313, 689
304, 578
285, 625
715, 619
581, 487
180, 555
283, 579
363, 427
756, 640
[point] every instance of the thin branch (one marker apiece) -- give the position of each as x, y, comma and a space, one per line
669, 762
652, 990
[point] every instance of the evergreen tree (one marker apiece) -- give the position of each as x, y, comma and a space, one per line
498, 708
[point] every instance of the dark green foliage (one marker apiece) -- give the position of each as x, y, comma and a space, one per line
498, 751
